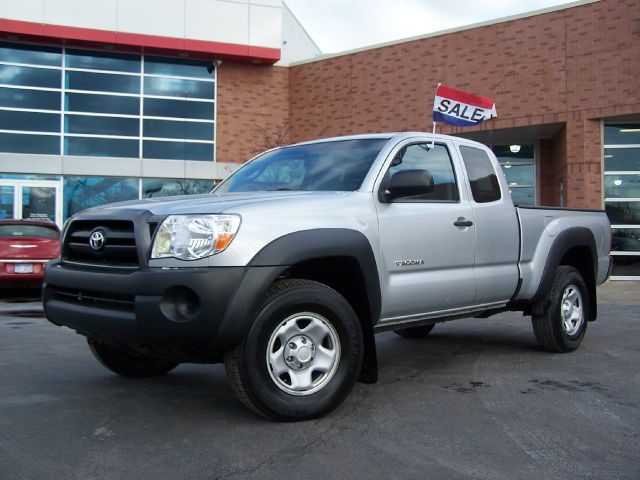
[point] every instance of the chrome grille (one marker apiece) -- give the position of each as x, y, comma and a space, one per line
117, 250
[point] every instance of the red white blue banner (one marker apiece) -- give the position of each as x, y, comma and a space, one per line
460, 108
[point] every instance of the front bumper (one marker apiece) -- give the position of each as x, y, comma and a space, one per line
177, 307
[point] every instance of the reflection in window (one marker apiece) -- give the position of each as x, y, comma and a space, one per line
622, 159
102, 82
177, 150
157, 107
622, 134
116, 62
32, 54
167, 187
622, 186
102, 125
623, 213
174, 87
178, 129
24, 143
81, 193
178, 68
22, 98
30, 77
100, 147
518, 166
482, 177
30, 121
88, 102
6, 201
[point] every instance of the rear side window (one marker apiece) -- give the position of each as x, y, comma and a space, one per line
485, 187
436, 160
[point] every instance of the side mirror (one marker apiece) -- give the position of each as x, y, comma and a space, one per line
409, 183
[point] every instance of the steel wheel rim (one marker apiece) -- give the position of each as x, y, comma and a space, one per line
303, 353
571, 310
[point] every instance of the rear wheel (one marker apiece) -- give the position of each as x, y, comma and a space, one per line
415, 332
127, 363
561, 320
302, 355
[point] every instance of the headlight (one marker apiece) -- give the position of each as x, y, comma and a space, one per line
190, 237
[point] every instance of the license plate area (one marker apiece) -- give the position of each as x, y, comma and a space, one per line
23, 268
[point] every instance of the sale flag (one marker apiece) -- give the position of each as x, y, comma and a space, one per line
460, 108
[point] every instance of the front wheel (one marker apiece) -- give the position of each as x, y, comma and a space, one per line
302, 355
561, 322
129, 364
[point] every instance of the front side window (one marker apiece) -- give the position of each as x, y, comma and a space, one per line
485, 187
437, 162
328, 166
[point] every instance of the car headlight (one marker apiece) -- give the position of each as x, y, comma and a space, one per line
190, 237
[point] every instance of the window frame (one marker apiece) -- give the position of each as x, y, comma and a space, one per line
386, 178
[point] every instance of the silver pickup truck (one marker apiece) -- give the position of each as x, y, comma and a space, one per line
289, 267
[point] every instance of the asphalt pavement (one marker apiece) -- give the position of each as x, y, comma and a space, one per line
477, 399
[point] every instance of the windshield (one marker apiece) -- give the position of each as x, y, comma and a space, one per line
328, 166
31, 231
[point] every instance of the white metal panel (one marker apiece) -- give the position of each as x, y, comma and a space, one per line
152, 168
152, 17
25, 10
217, 21
265, 26
27, 163
98, 14
268, 3
100, 166
297, 45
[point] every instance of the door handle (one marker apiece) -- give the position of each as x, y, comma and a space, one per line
462, 222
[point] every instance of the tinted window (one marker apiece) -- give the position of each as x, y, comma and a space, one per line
101, 147
81, 193
625, 239
325, 166
177, 129
35, 55
19, 98
102, 82
103, 61
174, 87
622, 159
156, 107
36, 231
86, 102
102, 125
623, 213
482, 176
437, 162
31, 121
21, 143
177, 68
177, 150
622, 186
626, 265
622, 134
166, 187
30, 77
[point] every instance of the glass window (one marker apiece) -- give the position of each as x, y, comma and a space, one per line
519, 175
622, 134
20, 176
623, 213
157, 107
102, 125
166, 187
482, 176
626, 265
87, 102
37, 99
324, 166
23, 143
625, 240
81, 193
103, 61
102, 82
30, 121
622, 186
30, 77
622, 159
523, 196
32, 231
178, 129
39, 203
36, 55
177, 150
514, 154
173, 87
178, 68
6, 201
101, 147
437, 162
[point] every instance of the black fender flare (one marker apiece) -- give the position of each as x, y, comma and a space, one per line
566, 240
277, 256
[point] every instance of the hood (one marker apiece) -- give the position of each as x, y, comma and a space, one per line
207, 203
25, 248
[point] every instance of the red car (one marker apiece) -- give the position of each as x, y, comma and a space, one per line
25, 248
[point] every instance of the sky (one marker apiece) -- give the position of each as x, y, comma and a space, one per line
338, 25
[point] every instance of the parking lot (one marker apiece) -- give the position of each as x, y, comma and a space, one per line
476, 399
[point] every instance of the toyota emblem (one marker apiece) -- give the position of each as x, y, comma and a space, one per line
97, 240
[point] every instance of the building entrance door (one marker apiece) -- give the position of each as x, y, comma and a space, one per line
31, 200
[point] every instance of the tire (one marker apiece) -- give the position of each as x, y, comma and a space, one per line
302, 355
560, 322
415, 332
128, 364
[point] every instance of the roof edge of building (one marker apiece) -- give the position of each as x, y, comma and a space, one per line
532, 13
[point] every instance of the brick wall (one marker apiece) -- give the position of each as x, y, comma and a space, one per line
573, 66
